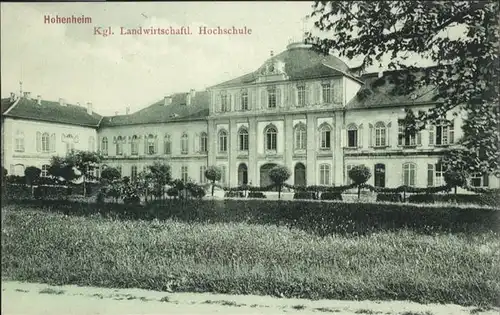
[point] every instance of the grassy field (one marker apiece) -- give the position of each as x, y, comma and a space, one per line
243, 258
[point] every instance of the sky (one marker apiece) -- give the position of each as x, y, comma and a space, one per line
70, 61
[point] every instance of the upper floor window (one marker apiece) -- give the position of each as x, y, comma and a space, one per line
352, 136
243, 139
119, 145
45, 142
405, 138
134, 145
325, 137
327, 93
324, 174
19, 141
300, 137
104, 146
271, 138
45, 170
409, 174
244, 100
442, 133
184, 144
222, 141
204, 142
224, 102
271, 97
380, 134
184, 174
151, 145
301, 95
167, 145
91, 144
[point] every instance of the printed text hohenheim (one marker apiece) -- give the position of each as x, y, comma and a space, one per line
48, 19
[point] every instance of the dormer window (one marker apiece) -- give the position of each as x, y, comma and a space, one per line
224, 102
327, 92
271, 97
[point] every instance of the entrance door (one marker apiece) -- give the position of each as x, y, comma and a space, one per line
379, 175
300, 175
264, 174
242, 174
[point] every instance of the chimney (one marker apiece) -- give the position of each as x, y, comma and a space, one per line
39, 99
167, 100
272, 53
89, 108
27, 95
12, 96
62, 102
127, 110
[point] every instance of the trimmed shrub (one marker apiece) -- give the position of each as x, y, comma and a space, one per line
256, 194
173, 192
234, 194
390, 197
304, 195
331, 196
422, 198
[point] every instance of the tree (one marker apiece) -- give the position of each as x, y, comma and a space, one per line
59, 168
359, 174
160, 173
213, 174
84, 162
110, 174
32, 174
455, 178
279, 174
466, 71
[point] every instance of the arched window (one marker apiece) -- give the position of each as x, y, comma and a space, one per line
45, 142
271, 138
119, 145
151, 145
380, 134
300, 137
243, 139
204, 142
104, 146
409, 174
222, 141
184, 144
45, 170
167, 144
134, 146
324, 174
325, 137
352, 136
19, 141
91, 144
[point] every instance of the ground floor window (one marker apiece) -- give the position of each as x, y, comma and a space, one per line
324, 174
479, 180
409, 174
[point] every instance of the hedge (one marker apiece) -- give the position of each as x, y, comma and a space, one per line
485, 199
331, 196
389, 197
318, 217
304, 195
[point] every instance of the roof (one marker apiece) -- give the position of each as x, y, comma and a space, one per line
51, 112
158, 112
5, 104
391, 90
301, 62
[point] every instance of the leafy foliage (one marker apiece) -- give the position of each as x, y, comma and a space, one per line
359, 174
60, 168
279, 175
110, 174
160, 173
213, 174
32, 174
466, 71
454, 178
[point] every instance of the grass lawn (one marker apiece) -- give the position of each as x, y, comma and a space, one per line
240, 258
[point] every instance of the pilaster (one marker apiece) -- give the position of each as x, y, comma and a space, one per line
252, 152
288, 145
338, 154
311, 149
232, 168
212, 142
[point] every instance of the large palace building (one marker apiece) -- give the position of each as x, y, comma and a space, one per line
300, 109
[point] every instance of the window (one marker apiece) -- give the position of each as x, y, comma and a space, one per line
324, 174
352, 136
222, 141
444, 133
243, 139
104, 146
478, 180
70, 146
134, 146
19, 141
380, 134
184, 144
119, 168
348, 179
45, 170
379, 179
327, 93
45, 142
204, 142
224, 102
223, 174
203, 179
271, 97
91, 144
151, 145
439, 174
133, 172
405, 138
167, 145
119, 146
271, 138
325, 137
244, 100
184, 173
300, 137
409, 174
301, 95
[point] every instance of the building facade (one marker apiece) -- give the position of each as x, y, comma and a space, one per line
300, 109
